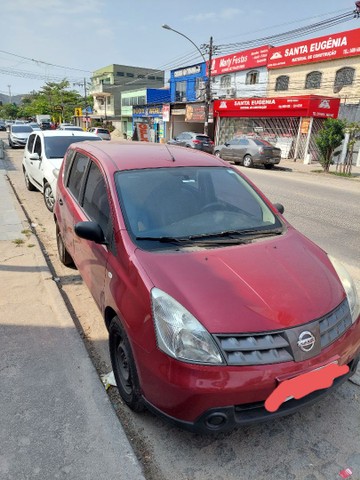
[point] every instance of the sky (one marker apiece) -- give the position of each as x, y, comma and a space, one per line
49, 40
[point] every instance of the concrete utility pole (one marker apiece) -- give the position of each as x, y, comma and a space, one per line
210, 48
9, 87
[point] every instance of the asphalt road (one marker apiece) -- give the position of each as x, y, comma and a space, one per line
313, 444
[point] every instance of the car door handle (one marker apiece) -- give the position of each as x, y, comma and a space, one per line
61, 202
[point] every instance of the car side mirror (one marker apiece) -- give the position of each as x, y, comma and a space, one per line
90, 231
279, 207
226, 144
34, 156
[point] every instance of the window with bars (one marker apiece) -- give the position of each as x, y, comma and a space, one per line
344, 76
252, 77
282, 83
225, 81
313, 80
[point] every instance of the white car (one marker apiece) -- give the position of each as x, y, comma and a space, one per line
104, 133
43, 155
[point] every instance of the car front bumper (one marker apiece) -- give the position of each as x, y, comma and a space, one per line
206, 398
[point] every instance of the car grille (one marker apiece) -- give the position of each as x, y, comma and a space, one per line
279, 346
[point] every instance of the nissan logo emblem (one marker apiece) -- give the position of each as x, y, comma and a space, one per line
306, 341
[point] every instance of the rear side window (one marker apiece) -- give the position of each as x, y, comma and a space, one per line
77, 171
96, 203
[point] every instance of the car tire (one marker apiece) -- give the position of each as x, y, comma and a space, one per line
268, 166
124, 367
28, 183
217, 153
64, 256
49, 197
248, 161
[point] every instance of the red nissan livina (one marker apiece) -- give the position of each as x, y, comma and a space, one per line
219, 312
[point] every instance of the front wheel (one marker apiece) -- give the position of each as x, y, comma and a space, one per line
217, 154
248, 162
49, 198
124, 367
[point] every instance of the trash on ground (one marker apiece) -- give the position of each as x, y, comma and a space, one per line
347, 472
108, 380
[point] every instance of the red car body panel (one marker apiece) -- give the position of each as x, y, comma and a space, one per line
271, 284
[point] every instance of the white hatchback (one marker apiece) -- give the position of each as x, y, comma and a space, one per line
43, 155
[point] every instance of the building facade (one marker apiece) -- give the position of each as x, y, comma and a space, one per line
108, 83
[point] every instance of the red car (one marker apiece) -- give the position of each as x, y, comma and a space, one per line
219, 312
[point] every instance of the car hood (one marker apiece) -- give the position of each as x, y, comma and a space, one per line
23, 135
266, 285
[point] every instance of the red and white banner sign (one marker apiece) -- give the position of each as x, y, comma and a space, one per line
302, 106
329, 47
256, 57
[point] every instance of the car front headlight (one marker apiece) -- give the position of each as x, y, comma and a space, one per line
179, 334
349, 287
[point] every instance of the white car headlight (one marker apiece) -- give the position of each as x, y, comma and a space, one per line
349, 287
179, 334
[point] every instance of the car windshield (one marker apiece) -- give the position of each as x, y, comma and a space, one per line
21, 129
55, 147
192, 205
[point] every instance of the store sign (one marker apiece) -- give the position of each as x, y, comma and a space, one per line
330, 47
302, 106
255, 57
143, 132
166, 113
195, 113
183, 72
153, 111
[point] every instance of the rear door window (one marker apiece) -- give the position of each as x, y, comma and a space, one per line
30, 143
76, 175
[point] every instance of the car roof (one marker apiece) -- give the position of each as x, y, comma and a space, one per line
138, 155
65, 133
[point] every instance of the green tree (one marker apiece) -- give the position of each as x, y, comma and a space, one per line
9, 110
328, 139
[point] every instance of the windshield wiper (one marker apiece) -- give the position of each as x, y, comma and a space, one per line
236, 234
228, 237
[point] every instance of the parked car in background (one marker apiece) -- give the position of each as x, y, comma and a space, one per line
34, 126
45, 125
249, 151
2, 126
104, 133
217, 308
198, 141
43, 155
73, 128
18, 135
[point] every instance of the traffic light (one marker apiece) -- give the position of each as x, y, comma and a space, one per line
78, 112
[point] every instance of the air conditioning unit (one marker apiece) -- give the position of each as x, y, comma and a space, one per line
230, 92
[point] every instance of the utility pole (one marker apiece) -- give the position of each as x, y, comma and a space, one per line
9, 87
208, 88
86, 106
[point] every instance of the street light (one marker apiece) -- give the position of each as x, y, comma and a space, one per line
207, 88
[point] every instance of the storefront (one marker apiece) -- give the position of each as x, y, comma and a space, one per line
290, 123
148, 123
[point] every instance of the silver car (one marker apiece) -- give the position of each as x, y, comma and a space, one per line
249, 151
103, 133
18, 135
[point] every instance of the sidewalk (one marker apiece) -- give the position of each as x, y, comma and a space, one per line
300, 166
57, 421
